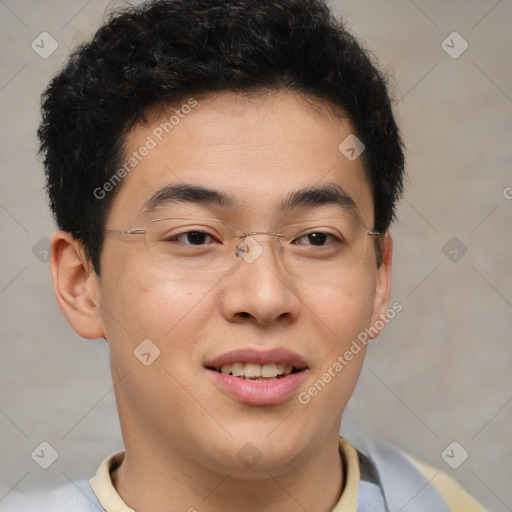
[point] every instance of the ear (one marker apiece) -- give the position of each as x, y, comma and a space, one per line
383, 288
76, 285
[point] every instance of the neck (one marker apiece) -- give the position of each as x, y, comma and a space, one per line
155, 480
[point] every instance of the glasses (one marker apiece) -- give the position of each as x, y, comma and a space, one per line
185, 246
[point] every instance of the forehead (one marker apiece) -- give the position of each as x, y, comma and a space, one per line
255, 149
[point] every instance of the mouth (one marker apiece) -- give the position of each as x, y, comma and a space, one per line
258, 377
251, 364
257, 372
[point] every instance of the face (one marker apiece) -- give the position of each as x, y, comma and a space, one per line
256, 151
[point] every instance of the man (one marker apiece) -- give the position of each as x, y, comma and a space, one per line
224, 175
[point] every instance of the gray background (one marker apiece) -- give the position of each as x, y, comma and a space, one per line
441, 370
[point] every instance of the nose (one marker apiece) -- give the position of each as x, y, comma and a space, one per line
259, 290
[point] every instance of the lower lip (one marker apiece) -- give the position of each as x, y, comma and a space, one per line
270, 392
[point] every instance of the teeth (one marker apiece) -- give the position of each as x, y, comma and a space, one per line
252, 370
256, 371
237, 369
269, 370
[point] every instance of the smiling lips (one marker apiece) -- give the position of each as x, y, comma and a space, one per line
258, 377
255, 371
255, 364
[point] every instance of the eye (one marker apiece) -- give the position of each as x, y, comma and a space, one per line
318, 238
194, 237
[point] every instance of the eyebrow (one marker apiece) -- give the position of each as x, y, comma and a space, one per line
330, 194
186, 193
314, 196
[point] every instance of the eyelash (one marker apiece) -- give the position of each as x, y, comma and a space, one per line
328, 235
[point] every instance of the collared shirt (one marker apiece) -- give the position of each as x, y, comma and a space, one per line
378, 478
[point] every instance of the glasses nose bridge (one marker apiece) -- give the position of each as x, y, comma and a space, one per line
251, 233
249, 249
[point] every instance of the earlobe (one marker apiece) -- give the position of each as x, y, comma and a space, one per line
383, 287
76, 286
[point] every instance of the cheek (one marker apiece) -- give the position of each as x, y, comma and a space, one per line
150, 307
344, 306
141, 304
340, 312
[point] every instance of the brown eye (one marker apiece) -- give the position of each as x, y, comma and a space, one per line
192, 238
318, 238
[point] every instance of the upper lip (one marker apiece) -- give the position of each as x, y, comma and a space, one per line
248, 355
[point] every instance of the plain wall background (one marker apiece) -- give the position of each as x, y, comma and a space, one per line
441, 370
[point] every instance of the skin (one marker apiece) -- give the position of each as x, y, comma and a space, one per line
181, 432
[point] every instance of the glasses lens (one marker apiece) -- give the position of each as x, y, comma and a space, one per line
324, 247
190, 245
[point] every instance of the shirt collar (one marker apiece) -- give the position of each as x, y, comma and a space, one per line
110, 500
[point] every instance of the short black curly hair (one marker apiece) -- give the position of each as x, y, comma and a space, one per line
162, 51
